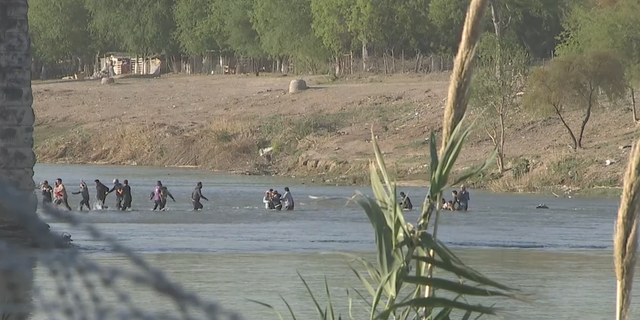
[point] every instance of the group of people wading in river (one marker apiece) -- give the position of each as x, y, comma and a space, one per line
57, 195
273, 200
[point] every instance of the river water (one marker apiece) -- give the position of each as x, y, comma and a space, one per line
235, 250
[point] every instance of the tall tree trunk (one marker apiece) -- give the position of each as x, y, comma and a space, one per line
633, 105
501, 144
573, 136
365, 56
587, 116
16, 149
495, 18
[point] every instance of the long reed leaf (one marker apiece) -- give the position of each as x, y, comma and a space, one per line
266, 305
433, 302
364, 281
313, 298
367, 301
487, 163
444, 254
329, 304
293, 315
443, 314
380, 159
373, 272
455, 287
434, 188
378, 296
350, 300
464, 272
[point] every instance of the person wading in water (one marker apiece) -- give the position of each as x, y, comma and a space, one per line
196, 195
60, 193
84, 191
101, 193
47, 193
156, 196
117, 187
288, 199
126, 196
164, 193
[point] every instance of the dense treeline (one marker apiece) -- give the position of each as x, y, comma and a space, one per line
309, 32
591, 48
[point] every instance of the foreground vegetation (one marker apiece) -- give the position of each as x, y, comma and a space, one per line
394, 291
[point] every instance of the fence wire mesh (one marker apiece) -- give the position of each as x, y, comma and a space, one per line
70, 284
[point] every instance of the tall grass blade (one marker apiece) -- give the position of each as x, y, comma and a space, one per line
293, 315
433, 150
266, 305
350, 305
329, 304
380, 159
378, 297
433, 302
625, 244
451, 152
456, 287
464, 272
443, 314
444, 254
367, 301
467, 315
364, 281
373, 272
313, 298
487, 163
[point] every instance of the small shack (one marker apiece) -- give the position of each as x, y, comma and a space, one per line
125, 63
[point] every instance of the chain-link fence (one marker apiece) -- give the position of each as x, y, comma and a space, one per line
72, 285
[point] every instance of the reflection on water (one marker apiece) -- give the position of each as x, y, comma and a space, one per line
234, 250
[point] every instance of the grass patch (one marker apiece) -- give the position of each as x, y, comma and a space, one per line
43, 133
417, 144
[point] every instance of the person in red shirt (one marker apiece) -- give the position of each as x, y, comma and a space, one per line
60, 194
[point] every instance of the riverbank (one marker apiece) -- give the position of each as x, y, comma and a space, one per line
321, 135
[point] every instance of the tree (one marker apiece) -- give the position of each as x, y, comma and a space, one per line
534, 23
331, 25
285, 30
230, 21
575, 82
410, 27
503, 66
59, 30
193, 28
593, 72
138, 26
610, 25
545, 94
447, 17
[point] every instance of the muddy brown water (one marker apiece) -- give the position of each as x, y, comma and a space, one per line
235, 250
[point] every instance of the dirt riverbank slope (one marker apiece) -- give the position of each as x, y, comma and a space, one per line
323, 134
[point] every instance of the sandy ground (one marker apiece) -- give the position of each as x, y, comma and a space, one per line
401, 109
